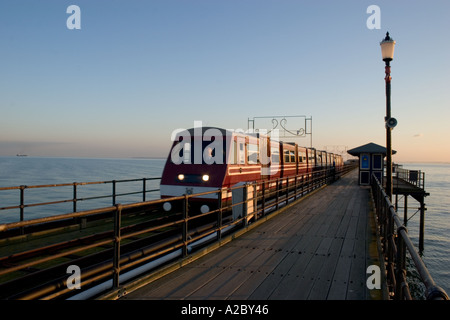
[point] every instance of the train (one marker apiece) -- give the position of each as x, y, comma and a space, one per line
204, 159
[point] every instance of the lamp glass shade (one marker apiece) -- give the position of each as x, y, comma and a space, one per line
387, 49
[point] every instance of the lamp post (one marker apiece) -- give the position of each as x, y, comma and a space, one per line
387, 52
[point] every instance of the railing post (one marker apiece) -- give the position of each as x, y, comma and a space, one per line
144, 187
405, 210
114, 192
74, 197
422, 226
22, 202
185, 224
295, 187
219, 216
303, 185
82, 220
263, 201
22, 206
278, 192
255, 200
116, 257
287, 190
245, 204
317, 179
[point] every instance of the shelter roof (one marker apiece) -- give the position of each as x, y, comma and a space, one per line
369, 148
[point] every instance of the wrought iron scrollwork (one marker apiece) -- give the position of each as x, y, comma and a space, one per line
280, 123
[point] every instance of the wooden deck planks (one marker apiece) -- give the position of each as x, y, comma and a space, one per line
316, 249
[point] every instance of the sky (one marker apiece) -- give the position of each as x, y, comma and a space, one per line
136, 71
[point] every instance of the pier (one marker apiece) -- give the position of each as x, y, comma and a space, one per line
315, 236
318, 248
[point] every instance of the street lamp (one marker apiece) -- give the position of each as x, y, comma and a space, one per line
387, 48
387, 52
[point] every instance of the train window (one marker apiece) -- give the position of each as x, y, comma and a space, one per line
286, 156
312, 156
188, 153
275, 155
301, 156
237, 155
241, 154
292, 154
252, 154
232, 156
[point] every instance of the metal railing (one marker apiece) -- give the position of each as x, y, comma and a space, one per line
395, 244
415, 177
74, 192
139, 247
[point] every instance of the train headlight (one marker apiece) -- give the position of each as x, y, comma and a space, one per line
205, 177
181, 177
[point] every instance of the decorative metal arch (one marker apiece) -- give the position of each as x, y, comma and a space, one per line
295, 129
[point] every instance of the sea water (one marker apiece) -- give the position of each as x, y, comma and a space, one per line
32, 171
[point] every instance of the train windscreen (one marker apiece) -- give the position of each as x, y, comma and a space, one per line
198, 152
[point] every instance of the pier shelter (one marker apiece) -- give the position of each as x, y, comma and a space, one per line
371, 160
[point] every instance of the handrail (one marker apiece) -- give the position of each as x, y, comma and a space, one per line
395, 241
75, 193
117, 236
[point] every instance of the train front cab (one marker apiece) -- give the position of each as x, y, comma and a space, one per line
184, 174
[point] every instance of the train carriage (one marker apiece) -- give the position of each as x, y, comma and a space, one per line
207, 159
